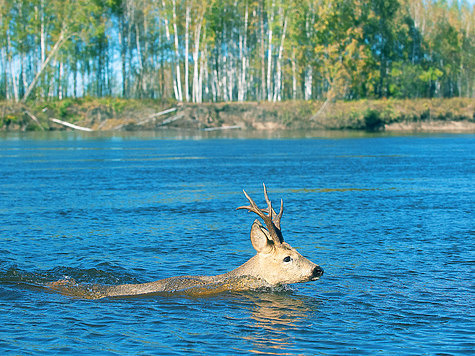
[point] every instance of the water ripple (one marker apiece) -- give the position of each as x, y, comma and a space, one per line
388, 218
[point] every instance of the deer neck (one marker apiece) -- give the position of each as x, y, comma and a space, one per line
249, 268
247, 273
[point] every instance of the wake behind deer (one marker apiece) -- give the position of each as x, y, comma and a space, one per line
275, 263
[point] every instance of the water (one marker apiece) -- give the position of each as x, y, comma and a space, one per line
390, 219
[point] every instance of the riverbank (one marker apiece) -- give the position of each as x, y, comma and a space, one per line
113, 114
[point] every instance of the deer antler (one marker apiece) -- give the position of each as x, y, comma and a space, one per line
275, 217
272, 220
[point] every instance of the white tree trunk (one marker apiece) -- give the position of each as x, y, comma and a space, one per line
224, 82
196, 62
147, 59
14, 77
308, 83
262, 94
60, 81
168, 37
240, 80
42, 31
177, 55
278, 81
242, 48
294, 76
139, 55
215, 85
61, 39
269, 52
203, 74
187, 41
231, 75
42, 34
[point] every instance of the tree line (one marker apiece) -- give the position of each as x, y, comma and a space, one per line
236, 50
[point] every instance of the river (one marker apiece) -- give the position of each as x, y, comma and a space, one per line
389, 219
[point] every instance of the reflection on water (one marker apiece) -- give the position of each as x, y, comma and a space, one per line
184, 134
275, 316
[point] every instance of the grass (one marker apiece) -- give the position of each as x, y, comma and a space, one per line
370, 115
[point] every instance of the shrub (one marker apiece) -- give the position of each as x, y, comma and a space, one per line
373, 121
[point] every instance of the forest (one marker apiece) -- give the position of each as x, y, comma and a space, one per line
229, 50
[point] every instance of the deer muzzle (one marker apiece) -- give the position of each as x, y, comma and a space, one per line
317, 273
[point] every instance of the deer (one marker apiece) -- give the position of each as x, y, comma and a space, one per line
275, 264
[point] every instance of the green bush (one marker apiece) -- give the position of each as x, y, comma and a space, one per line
63, 106
373, 120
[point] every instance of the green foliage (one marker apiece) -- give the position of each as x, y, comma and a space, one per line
63, 106
311, 49
373, 121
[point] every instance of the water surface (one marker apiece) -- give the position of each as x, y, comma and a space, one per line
389, 218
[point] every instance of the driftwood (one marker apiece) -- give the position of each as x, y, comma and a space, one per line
233, 127
171, 119
154, 116
162, 113
35, 119
76, 127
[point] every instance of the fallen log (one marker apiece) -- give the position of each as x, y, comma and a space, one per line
154, 116
162, 113
76, 127
232, 127
171, 119
35, 119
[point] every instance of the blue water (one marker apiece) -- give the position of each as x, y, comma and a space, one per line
390, 220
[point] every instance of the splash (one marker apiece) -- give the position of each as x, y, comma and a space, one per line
68, 286
189, 286
64, 279
96, 283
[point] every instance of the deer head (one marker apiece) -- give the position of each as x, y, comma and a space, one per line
276, 261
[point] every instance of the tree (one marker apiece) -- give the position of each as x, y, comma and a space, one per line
197, 50
70, 18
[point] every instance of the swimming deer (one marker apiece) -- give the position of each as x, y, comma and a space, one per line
276, 263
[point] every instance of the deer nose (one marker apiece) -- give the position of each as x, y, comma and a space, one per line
317, 272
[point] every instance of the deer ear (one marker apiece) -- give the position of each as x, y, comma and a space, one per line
260, 238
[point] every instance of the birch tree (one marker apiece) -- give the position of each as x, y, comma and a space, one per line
270, 25
177, 53
278, 78
200, 11
242, 54
197, 50
69, 20
187, 42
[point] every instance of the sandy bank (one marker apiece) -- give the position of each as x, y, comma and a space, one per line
432, 126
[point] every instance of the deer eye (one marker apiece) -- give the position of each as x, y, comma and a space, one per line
287, 259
